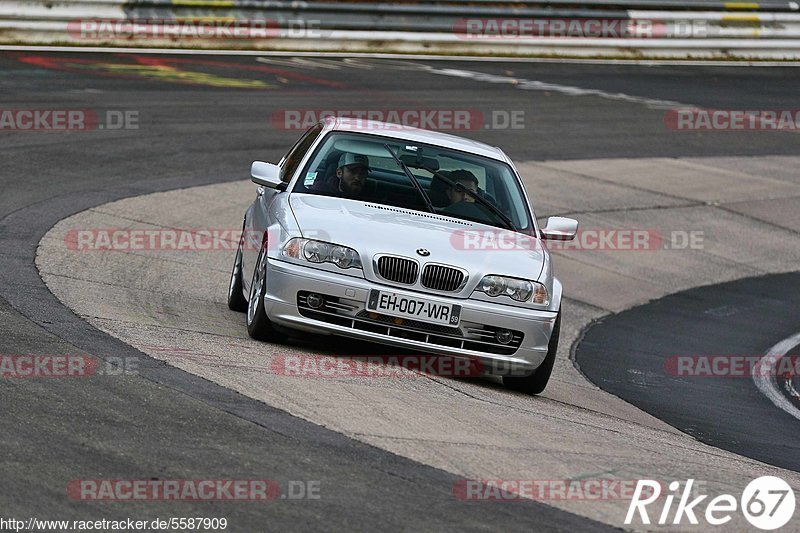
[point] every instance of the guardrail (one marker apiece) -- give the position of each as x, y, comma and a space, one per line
625, 28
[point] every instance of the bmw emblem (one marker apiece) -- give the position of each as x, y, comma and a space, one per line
423, 252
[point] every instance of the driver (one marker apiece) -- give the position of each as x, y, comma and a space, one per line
351, 177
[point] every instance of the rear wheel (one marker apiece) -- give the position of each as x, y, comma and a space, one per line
536, 382
236, 301
258, 324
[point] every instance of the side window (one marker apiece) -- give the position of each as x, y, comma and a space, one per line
298, 151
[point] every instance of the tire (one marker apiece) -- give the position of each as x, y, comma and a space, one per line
258, 324
536, 382
236, 300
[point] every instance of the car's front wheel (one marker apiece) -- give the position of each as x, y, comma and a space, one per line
258, 324
536, 382
236, 301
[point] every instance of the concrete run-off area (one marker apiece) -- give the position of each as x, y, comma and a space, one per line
703, 221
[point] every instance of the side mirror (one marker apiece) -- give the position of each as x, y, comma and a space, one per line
266, 174
560, 229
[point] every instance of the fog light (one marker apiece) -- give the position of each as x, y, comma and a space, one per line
504, 336
314, 300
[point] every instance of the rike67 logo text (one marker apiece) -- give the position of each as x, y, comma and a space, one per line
767, 503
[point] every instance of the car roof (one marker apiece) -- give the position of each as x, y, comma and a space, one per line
408, 133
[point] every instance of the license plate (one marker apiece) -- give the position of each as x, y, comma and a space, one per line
393, 304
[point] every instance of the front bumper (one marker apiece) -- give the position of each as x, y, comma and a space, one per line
347, 317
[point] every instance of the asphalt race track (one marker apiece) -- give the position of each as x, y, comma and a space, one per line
594, 144
726, 319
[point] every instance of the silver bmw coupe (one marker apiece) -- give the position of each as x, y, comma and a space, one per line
404, 237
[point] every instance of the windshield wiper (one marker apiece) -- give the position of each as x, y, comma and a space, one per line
413, 179
480, 199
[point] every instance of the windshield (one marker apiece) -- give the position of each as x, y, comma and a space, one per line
359, 166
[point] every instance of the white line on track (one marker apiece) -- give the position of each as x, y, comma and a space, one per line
494, 59
767, 381
535, 85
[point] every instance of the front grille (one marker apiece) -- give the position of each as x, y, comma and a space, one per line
442, 278
398, 269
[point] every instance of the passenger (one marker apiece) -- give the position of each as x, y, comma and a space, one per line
466, 179
462, 204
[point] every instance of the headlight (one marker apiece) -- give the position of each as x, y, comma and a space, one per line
345, 257
493, 285
520, 290
321, 252
317, 251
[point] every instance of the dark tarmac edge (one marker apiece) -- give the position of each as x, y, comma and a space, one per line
722, 411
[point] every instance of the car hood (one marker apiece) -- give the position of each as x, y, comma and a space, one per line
381, 229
